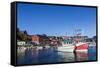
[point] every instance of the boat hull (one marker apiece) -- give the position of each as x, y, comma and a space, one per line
66, 48
81, 47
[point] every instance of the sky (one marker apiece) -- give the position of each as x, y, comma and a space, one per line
56, 20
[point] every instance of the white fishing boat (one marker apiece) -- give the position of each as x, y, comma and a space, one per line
47, 46
66, 48
39, 48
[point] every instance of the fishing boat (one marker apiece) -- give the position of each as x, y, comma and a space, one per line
39, 48
80, 41
67, 46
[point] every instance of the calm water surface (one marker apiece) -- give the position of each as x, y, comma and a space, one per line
50, 55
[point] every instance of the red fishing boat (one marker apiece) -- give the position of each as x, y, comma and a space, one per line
80, 42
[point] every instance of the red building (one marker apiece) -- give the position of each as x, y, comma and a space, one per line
39, 39
35, 39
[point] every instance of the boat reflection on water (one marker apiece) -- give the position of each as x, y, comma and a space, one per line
67, 56
81, 56
50, 55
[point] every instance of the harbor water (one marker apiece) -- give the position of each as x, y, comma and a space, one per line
50, 55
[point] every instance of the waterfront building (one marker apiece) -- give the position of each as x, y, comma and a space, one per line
40, 39
35, 39
21, 43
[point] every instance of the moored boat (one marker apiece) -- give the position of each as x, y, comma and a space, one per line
67, 45
66, 48
39, 48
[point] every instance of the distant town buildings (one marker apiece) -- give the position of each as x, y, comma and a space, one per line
23, 38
